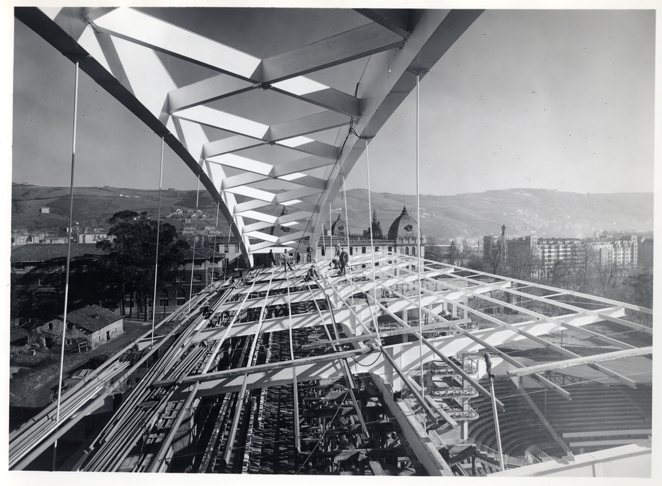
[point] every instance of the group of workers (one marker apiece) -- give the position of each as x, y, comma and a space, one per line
338, 262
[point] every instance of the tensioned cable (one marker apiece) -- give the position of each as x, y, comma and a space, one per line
418, 236
372, 242
330, 231
342, 148
158, 234
215, 242
344, 197
66, 284
225, 267
195, 235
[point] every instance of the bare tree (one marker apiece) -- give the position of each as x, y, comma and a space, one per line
494, 256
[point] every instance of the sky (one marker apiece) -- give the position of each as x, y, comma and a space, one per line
524, 99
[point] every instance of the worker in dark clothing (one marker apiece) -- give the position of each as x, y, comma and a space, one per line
309, 251
311, 274
344, 259
272, 259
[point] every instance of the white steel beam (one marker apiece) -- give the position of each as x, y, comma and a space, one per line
225, 121
229, 145
558, 349
145, 30
584, 360
306, 125
287, 218
387, 80
347, 46
325, 97
205, 91
396, 20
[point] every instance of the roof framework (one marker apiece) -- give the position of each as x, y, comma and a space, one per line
338, 318
280, 94
263, 119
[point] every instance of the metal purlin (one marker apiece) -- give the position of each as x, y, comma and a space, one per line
66, 284
195, 235
158, 234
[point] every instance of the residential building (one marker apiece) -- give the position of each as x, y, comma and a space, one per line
548, 252
38, 278
645, 252
87, 328
197, 272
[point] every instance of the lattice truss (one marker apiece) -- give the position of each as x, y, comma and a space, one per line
275, 328
258, 102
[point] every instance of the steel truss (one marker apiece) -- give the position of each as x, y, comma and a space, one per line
350, 333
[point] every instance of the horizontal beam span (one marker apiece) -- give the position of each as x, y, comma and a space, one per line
584, 360
265, 367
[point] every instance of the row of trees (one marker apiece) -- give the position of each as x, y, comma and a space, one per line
587, 273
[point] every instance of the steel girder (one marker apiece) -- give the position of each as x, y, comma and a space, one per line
349, 69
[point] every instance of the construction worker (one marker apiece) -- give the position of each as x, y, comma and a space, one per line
272, 259
309, 251
344, 260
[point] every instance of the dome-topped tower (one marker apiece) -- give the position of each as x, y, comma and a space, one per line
339, 227
404, 226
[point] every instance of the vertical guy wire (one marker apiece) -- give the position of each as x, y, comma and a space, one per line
215, 243
225, 267
66, 284
195, 234
331, 230
372, 242
158, 234
418, 236
344, 196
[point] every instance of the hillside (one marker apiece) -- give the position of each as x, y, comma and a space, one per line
94, 205
532, 211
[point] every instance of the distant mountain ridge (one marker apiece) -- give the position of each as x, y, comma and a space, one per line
540, 212
524, 211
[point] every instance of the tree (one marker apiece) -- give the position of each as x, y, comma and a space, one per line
641, 287
521, 263
493, 256
132, 253
453, 253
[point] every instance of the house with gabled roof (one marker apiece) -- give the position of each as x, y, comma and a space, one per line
88, 327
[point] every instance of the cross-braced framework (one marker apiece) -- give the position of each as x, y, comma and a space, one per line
250, 96
306, 370
257, 375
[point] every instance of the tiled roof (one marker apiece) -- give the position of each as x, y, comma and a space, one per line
201, 254
17, 333
92, 318
40, 252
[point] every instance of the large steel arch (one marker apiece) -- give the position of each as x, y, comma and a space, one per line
257, 102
